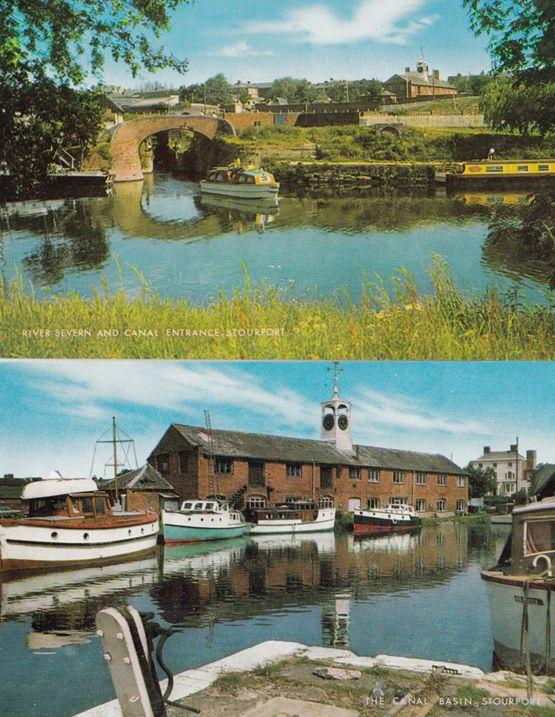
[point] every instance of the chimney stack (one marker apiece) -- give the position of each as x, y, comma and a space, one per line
436, 74
407, 69
487, 449
513, 447
531, 460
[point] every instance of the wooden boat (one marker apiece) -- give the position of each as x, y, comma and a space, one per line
486, 171
292, 517
202, 520
234, 181
391, 519
520, 590
70, 522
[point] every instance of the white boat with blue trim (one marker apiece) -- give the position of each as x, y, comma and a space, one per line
202, 520
292, 517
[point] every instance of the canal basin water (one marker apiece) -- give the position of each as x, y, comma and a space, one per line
161, 232
417, 595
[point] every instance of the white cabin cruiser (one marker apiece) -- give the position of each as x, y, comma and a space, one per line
70, 522
234, 181
521, 589
202, 520
292, 517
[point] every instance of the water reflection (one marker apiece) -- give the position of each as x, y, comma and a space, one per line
407, 594
165, 230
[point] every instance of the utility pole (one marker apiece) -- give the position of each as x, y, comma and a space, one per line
115, 439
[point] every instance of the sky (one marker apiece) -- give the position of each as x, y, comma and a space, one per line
53, 411
340, 39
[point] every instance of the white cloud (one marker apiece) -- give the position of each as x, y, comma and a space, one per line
393, 22
242, 49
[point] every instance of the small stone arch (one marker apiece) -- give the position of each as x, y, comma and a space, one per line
392, 129
127, 137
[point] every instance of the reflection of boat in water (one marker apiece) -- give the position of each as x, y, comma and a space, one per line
520, 590
389, 542
391, 519
292, 517
234, 181
261, 211
324, 542
202, 557
491, 199
70, 521
25, 594
202, 520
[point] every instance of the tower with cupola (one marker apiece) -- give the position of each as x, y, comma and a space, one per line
335, 425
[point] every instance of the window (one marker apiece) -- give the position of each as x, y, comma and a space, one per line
543, 167
338, 473
326, 501
99, 505
257, 123
256, 501
354, 473
522, 168
223, 465
494, 169
461, 505
420, 505
325, 477
494, 465
441, 505
441, 479
373, 503
396, 500
539, 536
163, 462
374, 475
421, 478
87, 504
256, 473
294, 470
510, 464
398, 476
461, 481
183, 462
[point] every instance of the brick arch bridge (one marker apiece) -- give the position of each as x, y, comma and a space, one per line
127, 137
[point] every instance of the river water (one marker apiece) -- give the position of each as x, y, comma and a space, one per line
160, 231
416, 595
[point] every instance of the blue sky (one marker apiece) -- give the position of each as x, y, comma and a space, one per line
343, 39
53, 411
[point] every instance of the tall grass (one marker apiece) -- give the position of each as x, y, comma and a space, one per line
397, 323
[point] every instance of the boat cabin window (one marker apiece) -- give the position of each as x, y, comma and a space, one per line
543, 167
99, 505
55, 505
87, 505
539, 536
209, 506
187, 506
199, 506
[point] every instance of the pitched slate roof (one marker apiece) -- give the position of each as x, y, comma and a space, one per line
144, 478
262, 446
418, 78
499, 456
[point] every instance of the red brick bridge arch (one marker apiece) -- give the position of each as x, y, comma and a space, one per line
127, 137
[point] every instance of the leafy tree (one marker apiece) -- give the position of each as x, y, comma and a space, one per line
521, 35
37, 119
481, 481
520, 106
192, 93
218, 90
68, 38
284, 87
520, 497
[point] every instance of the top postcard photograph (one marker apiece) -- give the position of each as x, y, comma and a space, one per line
338, 179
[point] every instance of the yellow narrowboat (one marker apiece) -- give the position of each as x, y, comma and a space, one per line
505, 169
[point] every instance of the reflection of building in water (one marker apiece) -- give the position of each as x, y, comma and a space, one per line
335, 621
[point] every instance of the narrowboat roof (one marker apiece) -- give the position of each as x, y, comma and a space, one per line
545, 504
49, 488
495, 160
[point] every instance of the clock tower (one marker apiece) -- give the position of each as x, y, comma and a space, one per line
336, 420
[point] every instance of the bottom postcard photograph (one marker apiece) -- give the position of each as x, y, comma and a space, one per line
273, 539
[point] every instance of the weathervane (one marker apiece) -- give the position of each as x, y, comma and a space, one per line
336, 368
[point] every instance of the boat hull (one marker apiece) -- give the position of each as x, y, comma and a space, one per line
325, 521
29, 547
506, 602
243, 191
374, 525
190, 528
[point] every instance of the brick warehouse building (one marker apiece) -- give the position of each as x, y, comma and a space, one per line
255, 470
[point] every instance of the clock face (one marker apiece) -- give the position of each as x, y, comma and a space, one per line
328, 421
343, 422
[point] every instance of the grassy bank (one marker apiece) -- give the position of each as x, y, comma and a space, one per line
355, 143
474, 518
264, 322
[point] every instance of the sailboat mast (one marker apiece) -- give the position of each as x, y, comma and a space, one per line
115, 442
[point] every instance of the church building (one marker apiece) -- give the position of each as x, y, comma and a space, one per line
418, 83
257, 469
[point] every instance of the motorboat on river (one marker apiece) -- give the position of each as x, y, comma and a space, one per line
291, 517
520, 590
202, 520
69, 522
235, 181
391, 519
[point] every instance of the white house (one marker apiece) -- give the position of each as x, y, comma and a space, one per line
511, 469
